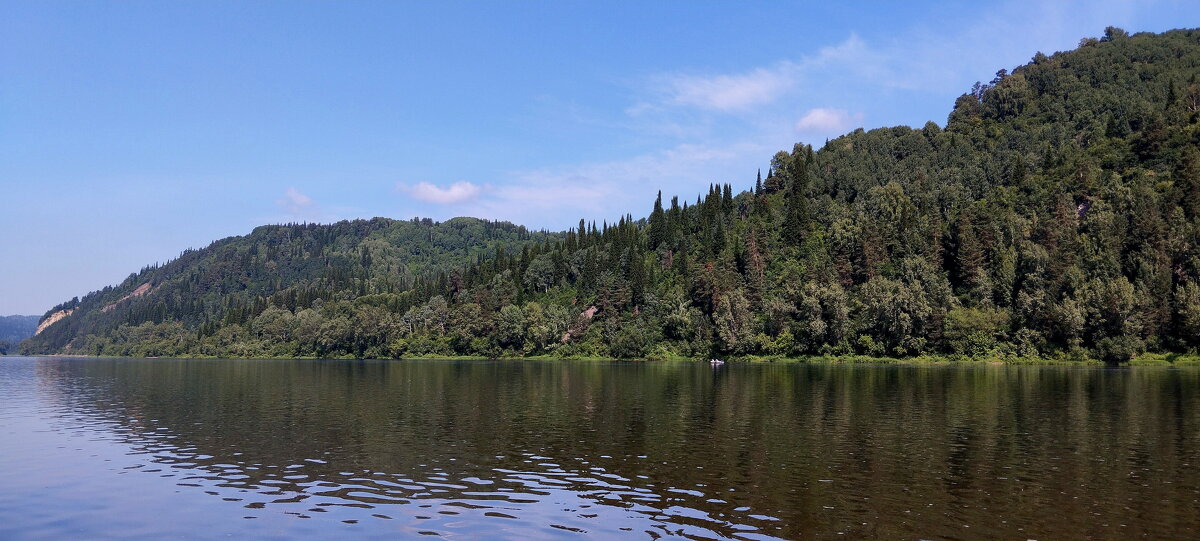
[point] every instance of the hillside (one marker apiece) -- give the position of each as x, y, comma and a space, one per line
381, 262
14, 329
1055, 214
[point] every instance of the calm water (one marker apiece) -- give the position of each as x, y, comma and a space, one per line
212, 448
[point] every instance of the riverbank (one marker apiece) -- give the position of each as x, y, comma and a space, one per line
1166, 359
921, 360
1147, 359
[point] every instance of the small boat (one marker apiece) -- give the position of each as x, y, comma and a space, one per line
716, 362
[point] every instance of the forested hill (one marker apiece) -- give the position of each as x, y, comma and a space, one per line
380, 263
14, 329
1054, 215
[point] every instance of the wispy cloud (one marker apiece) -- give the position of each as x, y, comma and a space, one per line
826, 120
299, 206
728, 92
556, 196
456, 193
759, 86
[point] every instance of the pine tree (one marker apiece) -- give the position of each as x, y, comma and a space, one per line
657, 223
795, 225
777, 179
1187, 182
637, 278
968, 252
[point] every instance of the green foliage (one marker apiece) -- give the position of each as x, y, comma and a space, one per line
975, 331
1054, 215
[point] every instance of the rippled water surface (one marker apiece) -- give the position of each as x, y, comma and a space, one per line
213, 448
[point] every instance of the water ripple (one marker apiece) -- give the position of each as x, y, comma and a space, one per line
549, 450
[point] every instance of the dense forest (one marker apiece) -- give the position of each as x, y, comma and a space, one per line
14, 329
1055, 215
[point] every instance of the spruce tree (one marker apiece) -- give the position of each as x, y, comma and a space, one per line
657, 223
795, 225
1187, 182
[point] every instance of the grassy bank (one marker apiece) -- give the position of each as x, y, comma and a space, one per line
1166, 359
921, 360
1146, 359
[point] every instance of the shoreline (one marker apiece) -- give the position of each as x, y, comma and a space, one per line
1149, 359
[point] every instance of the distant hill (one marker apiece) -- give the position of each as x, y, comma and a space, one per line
388, 263
17, 328
1057, 213
14, 329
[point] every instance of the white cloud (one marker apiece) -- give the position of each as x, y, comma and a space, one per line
457, 193
556, 197
298, 205
765, 85
825, 120
726, 92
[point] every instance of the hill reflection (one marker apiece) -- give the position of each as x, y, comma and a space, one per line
513, 449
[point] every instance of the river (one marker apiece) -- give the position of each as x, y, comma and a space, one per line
154, 448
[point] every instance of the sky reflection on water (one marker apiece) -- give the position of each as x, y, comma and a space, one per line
205, 448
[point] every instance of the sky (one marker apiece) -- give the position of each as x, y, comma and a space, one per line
130, 131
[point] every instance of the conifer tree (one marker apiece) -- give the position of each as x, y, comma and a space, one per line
795, 225
657, 223
1187, 182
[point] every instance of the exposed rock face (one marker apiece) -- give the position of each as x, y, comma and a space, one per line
580, 325
54, 318
141, 290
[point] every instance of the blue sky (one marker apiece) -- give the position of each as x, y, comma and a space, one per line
130, 131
